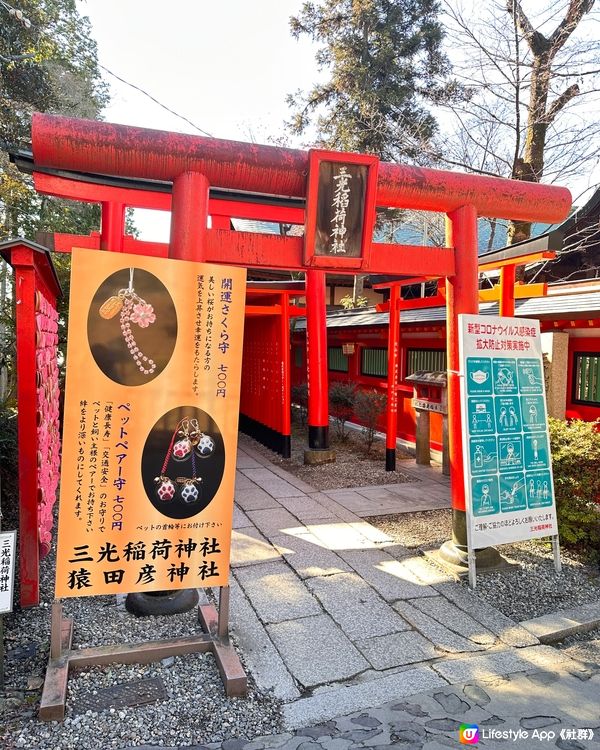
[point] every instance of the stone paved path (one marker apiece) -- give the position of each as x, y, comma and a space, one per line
368, 644
333, 616
543, 708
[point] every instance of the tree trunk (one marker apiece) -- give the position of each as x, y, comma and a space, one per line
531, 167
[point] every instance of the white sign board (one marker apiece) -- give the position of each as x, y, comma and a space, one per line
7, 570
509, 489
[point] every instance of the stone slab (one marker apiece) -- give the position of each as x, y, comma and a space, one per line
316, 651
507, 630
370, 532
423, 489
307, 508
442, 637
507, 661
249, 547
240, 519
260, 655
325, 705
396, 650
244, 461
339, 509
355, 606
254, 498
307, 557
270, 482
276, 592
392, 578
339, 536
299, 484
566, 697
243, 482
274, 521
377, 493
558, 625
447, 613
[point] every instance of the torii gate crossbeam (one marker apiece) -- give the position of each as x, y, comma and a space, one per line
193, 164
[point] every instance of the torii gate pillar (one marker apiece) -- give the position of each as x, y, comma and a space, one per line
316, 368
462, 296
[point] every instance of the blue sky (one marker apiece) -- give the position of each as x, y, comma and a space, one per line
227, 66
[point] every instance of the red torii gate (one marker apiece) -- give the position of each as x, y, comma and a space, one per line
193, 164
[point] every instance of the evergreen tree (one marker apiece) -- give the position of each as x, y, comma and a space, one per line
385, 65
48, 63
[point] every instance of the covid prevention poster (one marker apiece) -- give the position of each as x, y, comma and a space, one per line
509, 487
150, 425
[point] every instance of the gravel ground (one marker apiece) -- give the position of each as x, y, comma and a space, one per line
195, 711
351, 468
584, 646
530, 589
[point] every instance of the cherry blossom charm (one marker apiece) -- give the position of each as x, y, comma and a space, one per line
142, 314
165, 489
131, 308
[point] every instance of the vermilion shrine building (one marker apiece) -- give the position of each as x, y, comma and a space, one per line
197, 178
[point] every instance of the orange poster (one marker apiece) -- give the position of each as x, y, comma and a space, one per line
150, 427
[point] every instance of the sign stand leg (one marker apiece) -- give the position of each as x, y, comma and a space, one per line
223, 622
472, 567
556, 550
215, 640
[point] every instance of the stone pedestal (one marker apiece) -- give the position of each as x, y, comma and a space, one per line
422, 437
555, 348
318, 457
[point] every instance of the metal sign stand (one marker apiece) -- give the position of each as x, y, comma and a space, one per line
214, 639
556, 551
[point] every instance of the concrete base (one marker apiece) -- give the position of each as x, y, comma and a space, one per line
318, 457
161, 602
450, 558
453, 555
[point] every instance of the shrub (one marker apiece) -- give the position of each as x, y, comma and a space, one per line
300, 399
575, 448
9, 476
368, 407
341, 401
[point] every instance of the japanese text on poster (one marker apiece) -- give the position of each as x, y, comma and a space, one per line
150, 435
508, 472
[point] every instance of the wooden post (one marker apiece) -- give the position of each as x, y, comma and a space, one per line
393, 355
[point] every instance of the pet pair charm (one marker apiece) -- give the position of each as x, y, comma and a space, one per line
188, 442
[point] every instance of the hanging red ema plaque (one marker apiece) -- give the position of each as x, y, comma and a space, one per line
340, 209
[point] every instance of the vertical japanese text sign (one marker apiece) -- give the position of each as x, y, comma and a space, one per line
340, 209
508, 471
7, 571
150, 428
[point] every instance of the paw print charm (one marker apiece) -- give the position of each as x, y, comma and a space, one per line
190, 492
165, 490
